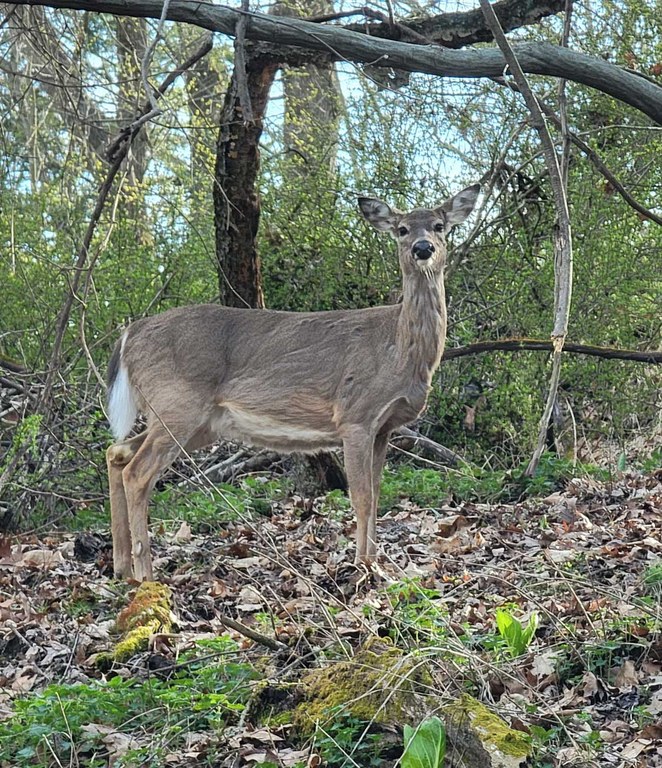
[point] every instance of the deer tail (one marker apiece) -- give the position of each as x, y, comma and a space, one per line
122, 408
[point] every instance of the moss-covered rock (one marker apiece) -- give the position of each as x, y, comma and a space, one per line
379, 684
148, 612
478, 738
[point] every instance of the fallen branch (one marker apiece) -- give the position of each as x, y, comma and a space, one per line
255, 463
445, 455
11, 384
11, 365
252, 634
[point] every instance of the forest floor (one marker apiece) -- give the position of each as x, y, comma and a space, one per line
455, 591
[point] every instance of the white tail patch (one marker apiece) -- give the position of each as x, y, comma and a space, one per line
122, 409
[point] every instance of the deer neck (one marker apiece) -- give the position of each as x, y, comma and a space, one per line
421, 331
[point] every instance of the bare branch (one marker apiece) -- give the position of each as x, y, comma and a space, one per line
521, 345
240, 65
144, 65
252, 634
604, 169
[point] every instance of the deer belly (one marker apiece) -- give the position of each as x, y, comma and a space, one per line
231, 422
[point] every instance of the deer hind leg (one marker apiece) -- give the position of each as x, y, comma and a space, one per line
118, 456
158, 451
358, 447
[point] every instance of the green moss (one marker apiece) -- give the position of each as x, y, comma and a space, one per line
151, 601
379, 685
148, 612
493, 732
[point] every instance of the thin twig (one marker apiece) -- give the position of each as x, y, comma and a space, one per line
608, 174
591, 154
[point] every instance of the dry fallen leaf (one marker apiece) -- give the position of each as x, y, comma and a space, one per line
654, 706
627, 676
250, 600
40, 558
447, 526
183, 534
543, 664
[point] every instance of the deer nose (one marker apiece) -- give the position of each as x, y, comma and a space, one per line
423, 249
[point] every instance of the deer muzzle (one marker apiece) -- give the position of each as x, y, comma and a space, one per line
422, 250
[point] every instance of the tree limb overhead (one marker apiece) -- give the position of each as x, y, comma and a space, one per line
340, 43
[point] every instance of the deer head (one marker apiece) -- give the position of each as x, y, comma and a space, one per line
421, 233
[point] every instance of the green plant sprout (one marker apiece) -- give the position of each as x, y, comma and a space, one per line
517, 637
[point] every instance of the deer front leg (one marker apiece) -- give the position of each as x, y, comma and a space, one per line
117, 457
358, 448
378, 457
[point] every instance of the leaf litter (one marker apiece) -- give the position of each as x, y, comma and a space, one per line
587, 561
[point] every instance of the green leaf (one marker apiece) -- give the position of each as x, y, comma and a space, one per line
425, 746
529, 632
511, 631
622, 462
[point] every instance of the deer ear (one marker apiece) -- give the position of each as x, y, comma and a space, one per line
379, 214
460, 206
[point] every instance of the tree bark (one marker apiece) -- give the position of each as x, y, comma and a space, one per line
461, 28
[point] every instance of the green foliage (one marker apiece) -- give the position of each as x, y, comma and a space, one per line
516, 636
347, 741
209, 508
154, 247
52, 725
432, 488
425, 745
24, 439
419, 614
653, 462
652, 577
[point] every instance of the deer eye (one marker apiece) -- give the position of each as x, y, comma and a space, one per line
402, 231
439, 227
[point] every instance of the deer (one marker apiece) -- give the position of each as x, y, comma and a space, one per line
288, 381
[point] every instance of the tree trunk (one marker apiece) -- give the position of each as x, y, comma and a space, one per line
312, 101
236, 198
131, 42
